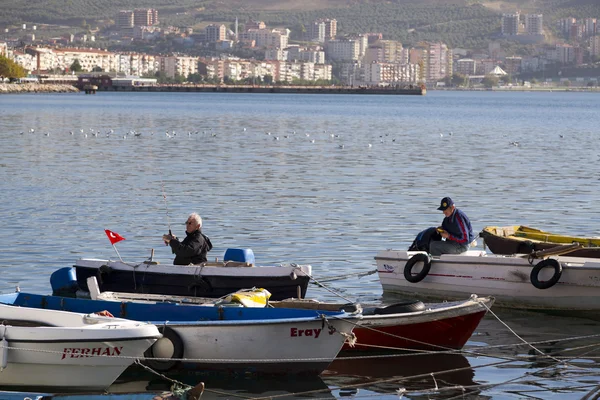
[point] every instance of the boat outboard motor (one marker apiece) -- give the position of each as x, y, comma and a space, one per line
421, 242
64, 282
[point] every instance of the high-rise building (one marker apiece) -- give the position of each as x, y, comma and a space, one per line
315, 32
595, 45
564, 24
125, 19
330, 28
533, 24
215, 33
510, 24
145, 17
591, 26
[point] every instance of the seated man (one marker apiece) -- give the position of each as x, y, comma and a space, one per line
456, 229
192, 249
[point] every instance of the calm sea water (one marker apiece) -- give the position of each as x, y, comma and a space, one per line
326, 180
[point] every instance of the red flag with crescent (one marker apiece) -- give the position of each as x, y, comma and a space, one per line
114, 237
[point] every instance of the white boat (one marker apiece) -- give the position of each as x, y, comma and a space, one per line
224, 338
49, 349
556, 284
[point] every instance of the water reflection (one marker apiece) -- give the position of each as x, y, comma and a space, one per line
223, 386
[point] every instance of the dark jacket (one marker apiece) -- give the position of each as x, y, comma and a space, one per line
458, 226
192, 249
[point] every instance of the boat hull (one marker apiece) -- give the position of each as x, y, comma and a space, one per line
437, 327
507, 279
225, 338
89, 356
281, 282
523, 240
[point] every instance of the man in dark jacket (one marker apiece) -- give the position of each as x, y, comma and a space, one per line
456, 229
192, 249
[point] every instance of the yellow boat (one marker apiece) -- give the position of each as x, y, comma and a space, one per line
519, 239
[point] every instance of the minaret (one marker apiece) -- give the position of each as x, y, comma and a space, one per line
236, 29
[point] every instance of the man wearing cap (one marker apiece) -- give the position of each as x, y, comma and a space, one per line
456, 229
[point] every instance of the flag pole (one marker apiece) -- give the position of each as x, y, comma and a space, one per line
117, 251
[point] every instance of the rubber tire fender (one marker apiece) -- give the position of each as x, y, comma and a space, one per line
165, 365
400, 308
419, 257
548, 262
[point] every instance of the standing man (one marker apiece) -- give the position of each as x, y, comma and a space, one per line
456, 229
193, 249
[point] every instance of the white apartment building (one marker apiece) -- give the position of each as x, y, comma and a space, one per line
178, 65
438, 63
377, 73
534, 24
277, 38
343, 50
510, 24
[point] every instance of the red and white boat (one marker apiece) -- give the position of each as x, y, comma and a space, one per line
413, 325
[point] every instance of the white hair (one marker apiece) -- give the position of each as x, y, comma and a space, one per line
196, 217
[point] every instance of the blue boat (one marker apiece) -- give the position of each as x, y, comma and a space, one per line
223, 338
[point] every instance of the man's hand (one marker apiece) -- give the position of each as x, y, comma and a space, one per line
167, 238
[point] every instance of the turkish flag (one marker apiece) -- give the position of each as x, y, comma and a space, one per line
114, 237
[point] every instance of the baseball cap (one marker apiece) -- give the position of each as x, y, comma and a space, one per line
445, 203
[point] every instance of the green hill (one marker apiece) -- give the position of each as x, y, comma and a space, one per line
460, 23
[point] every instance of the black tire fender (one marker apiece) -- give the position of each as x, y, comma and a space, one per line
400, 308
419, 257
165, 365
548, 262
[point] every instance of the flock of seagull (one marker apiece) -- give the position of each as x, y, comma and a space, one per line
170, 134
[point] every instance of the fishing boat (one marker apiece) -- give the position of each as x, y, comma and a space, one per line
210, 279
411, 325
224, 338
49, 349
521, 239
560, 284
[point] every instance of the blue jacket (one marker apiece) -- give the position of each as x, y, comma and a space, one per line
459, 227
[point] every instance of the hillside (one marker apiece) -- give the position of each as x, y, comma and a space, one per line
463, 23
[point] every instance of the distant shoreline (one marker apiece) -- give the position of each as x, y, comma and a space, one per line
17, 88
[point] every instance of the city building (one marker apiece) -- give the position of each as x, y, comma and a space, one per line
178, 65
330, 28
512, 65
382, 73
342, 50
466, 66
145, 17
564, 24
595, 46
125, 19
533, 24
315, 32
510, 24
251, 24
215, 33
590, 26
277, 38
